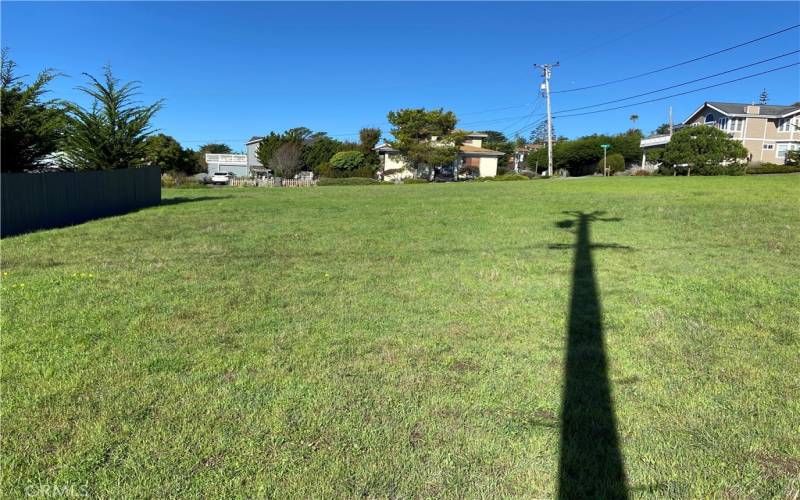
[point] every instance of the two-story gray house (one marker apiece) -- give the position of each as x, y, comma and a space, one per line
767, 131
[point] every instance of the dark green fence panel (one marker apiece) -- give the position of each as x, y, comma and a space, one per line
58, 199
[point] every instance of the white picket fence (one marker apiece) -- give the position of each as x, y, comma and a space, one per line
242, 182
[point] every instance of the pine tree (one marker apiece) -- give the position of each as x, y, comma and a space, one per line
111, 134
31, 127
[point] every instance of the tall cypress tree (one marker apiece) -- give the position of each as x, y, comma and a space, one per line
111, 134
31, 127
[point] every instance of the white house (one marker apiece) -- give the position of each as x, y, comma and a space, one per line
472, 154
227, 163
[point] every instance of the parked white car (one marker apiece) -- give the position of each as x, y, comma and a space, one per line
221, 177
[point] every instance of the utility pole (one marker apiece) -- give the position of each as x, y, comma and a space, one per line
547, 70
605, 163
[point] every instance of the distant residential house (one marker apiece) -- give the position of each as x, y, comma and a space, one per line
255, 166
471, 154
521, 154
251, 147
228, 163
767, 131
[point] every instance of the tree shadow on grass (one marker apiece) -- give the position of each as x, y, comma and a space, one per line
591, 463
185, 199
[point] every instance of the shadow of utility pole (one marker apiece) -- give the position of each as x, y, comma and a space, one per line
591, 461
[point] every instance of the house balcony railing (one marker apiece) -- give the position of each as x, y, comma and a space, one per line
226, 158
656, 140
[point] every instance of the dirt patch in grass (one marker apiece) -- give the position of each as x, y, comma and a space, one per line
545, 415
213, 460
777, 466
416, 435
465, 365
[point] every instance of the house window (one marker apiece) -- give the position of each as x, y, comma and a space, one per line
472, 162
784, 147
709, 118
723, 123
736, 124
785, 125
769, 146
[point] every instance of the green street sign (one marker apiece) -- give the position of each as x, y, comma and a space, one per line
605, 146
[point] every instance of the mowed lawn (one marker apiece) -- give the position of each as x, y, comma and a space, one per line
410, 341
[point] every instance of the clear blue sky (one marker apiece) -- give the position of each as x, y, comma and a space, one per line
232, 70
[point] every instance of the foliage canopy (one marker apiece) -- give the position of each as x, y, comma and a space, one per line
31, 127
701, 147
111, 134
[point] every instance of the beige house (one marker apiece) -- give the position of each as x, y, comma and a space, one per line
472, 154
767, 131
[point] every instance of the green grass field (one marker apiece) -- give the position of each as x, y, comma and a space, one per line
595, 337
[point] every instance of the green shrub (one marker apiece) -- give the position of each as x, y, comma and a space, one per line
363, 171
330, 171
347, 160
167, 180
615, 163
511, 177
469, 170
325, 170
732, 169
665, 170
771, 168
346, 181
793, 157
415, 181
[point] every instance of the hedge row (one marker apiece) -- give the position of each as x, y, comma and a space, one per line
348, 181
772, 168
504, 177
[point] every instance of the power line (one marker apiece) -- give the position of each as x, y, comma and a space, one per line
497, 109
530, 126
681, 84
680, 63
495, 120
626, 35
681, 93
528, 117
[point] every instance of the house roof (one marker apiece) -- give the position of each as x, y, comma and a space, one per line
466, 148
529, 147
764, 109
253, 139
738, 109
385, 148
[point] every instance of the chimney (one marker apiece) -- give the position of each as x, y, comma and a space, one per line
752, 110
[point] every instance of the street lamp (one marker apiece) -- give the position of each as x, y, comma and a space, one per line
605, 165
